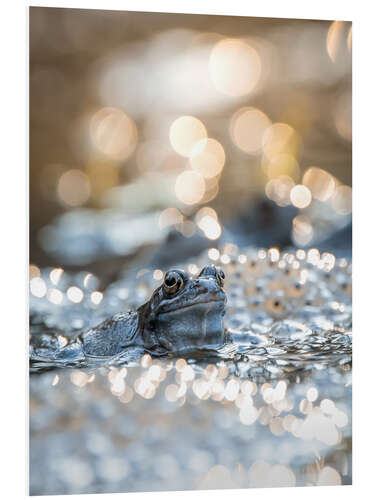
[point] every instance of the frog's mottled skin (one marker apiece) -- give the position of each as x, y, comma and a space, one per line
112, 336
183, 314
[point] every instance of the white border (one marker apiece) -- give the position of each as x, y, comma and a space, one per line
14, 165
284, 9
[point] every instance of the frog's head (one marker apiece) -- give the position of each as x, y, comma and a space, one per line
185, 313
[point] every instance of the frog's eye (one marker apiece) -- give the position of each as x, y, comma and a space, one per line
172, 282
221, 276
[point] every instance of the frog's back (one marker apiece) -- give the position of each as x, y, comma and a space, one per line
112, 336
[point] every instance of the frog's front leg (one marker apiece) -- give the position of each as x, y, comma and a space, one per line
112, 336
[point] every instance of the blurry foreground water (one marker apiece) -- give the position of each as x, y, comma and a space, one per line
278, 414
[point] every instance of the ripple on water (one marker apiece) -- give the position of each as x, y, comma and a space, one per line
290, 330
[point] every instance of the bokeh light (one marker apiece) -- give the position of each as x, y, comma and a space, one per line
300, 196
38, 287
34, 271
302, 230
235, 67
336, 38
190, 187
75, 294
342, 200
55, 275
213, 254
320, 183
280, 138
207, 157
282, 164
113, 133
184, 133
328, 476
343, 115
211, 189
55, 296
349, 40
73, 188
281, 476
279, 190
247, 127
96, 297
262, 474
312, 394
203, 212
49, 178
210, 226
170, 217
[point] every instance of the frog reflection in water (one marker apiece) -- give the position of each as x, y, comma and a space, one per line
184, 314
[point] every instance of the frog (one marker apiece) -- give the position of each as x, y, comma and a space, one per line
184, 314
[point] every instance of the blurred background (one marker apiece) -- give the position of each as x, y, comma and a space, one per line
148, 128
